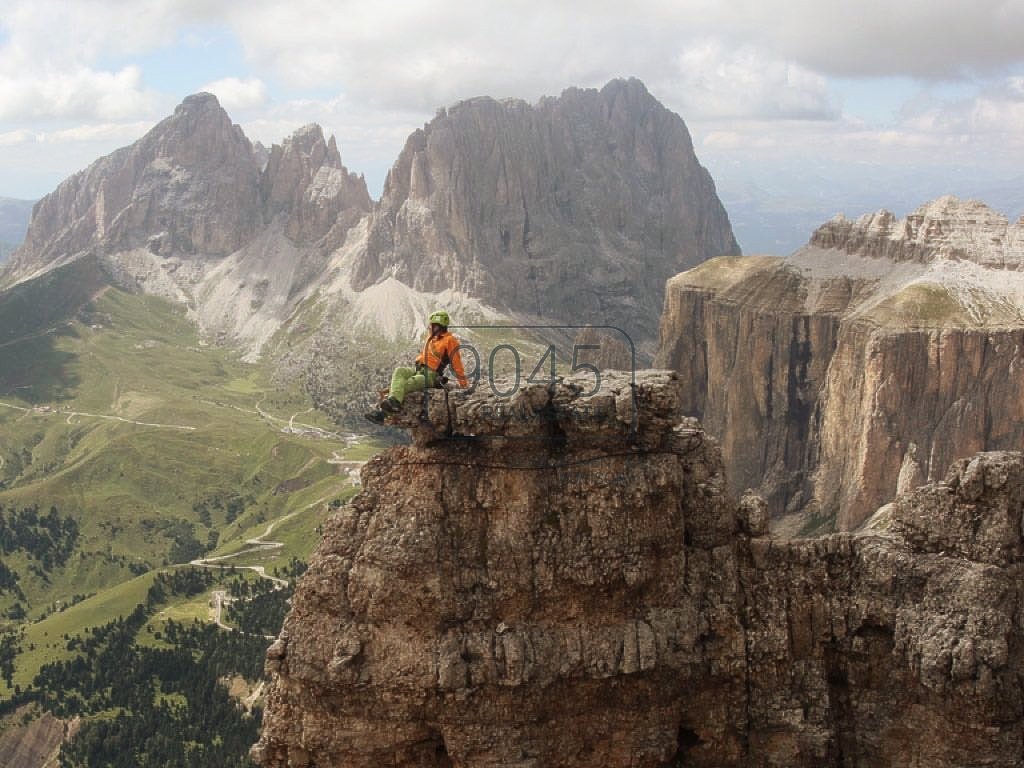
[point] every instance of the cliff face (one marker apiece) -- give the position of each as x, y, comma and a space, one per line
32, 739
310, 204
874, 356
575, 209
574, 586
193, 186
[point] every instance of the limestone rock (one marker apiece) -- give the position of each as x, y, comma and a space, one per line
508, 601
944, 228
575, 209
501, 600
820, 370
976, 513
627, 408
189, 186
193, 212
305, 180
193, 186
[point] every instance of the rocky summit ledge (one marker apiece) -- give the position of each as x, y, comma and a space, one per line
576, 602
640, 408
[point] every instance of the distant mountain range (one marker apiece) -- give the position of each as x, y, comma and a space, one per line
773, 209
14, 218
575, 210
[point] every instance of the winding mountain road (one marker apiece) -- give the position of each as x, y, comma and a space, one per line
259, 544
70, 414
219, 597
288, 426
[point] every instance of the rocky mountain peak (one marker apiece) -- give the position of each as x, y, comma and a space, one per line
197, 103
198, 135
945, 228
578, 207
309, 142
305, 180
575, 209
194, 187
631, 100
189, 186
200, 112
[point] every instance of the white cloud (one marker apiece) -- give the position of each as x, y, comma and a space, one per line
234, 93
418, 53
99, 132
48, 59
753, 57
55, 33
999, 111
932, 39
13, 138
994, 115
39, 160
416, 40
747, 75
998, 116
727, 140
716, 81
76, 93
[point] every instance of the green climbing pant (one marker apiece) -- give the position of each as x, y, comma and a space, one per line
406, 380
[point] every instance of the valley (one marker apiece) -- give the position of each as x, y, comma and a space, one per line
164, 449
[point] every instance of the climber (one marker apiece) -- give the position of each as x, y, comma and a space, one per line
440, 350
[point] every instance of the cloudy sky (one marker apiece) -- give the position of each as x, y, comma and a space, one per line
799, 108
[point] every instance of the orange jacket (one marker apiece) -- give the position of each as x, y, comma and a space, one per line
441, 350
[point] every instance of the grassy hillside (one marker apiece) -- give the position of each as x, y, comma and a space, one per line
160, 447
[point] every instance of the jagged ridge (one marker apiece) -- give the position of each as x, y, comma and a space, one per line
944, 228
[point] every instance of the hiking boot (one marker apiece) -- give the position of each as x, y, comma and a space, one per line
376, 416
390, 405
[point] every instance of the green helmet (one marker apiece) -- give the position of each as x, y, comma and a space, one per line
441, 318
